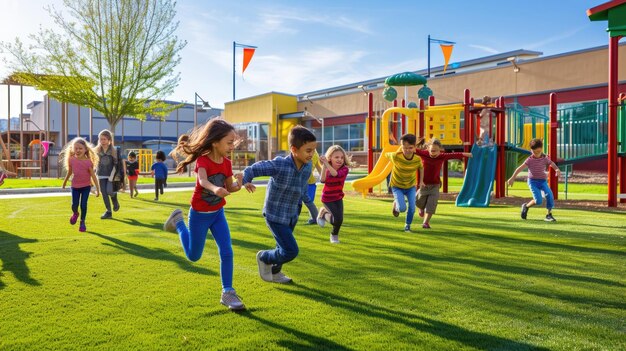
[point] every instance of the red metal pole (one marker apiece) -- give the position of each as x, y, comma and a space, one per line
622, 159
473, 121
421, 119
404, 119
467, 123
554, 124
500, 137
431, 100
612, 153
370, 134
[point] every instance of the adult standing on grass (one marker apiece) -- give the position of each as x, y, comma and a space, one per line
286, 190
209, 148
107, 171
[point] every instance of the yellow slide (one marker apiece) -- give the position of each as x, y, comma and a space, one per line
379, 173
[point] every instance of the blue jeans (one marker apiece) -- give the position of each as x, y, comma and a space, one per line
80, 195
106, 190
286, 246
541, 185
401, 206
311, 205
193, 240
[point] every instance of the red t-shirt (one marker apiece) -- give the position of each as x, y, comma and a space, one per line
204, 200
432, 165
333, 186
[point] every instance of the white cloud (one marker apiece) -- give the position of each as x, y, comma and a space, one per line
281, 21
556, 38
487, 49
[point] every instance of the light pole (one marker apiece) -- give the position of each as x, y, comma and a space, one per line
205, 104
320, 121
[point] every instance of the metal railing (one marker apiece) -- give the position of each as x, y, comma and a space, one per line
582, 131
524, 124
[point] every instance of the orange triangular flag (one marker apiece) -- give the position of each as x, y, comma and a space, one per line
247, 56
447, 52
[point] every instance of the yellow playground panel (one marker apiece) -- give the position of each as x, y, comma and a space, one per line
145, 159
443, 123
528, 134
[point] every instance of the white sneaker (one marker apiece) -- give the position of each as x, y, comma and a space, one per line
320, 217
232, 301
281, 278
265, 270
175, 217
334, 239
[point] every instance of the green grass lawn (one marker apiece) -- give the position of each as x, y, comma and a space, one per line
19, 183
482, 279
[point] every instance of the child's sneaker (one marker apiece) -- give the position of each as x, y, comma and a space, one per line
231, 300
395, 211
334, 239
421, 212
426, 226
549, 218
265, 270
82, 227
407, 228
106, 215
281, 278
74, 218
175, 217
2, 176
311, 221
320, 217
524, 213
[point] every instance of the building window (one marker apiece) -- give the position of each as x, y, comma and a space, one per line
351, 137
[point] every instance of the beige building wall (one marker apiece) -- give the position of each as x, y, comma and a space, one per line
543, 74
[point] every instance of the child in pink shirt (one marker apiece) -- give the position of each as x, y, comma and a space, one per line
79, 160
333, 175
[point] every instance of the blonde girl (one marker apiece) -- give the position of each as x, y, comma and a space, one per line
79, 159
334, 172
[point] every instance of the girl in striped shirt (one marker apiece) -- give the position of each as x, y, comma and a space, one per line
333, 175
537, 179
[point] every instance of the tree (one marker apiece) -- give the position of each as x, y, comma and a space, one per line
115, 56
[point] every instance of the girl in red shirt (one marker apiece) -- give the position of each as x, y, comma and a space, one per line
209, 148
333, 175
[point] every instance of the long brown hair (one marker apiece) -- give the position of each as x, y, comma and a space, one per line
202, 139
107, 134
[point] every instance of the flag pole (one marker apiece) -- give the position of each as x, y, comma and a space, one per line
235, 46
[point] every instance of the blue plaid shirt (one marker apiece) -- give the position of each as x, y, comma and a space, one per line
286, 189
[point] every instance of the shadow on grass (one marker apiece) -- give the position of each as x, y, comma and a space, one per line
434, 327
13, 258
153, 254
301, 340
249, 244
160, 202
134, 222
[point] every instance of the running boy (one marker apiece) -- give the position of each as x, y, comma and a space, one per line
433, 159
286, 190
537, 179
403, 178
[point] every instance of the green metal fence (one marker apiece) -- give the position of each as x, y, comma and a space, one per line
523, 124
583, 131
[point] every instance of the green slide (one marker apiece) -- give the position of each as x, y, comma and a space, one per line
479, 177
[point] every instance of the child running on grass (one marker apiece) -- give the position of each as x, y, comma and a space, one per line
79, 159
537, 179
159, 172
107, 170
433, 159
334, 172
403, 178
5, 173
312, 189
209, 148
132, 172
286, 190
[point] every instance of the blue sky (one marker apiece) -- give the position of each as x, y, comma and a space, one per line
310, 45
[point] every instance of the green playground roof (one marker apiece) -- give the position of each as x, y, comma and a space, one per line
614, 12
